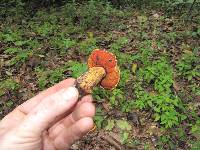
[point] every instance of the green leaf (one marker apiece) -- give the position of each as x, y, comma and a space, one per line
77, 69
142, 19
98, 121
157, 117
110, 125
124, 137
123, 125
99, 118
9, 103
8, 84
20, 43
12, 50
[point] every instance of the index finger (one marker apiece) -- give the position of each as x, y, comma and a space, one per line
27, 106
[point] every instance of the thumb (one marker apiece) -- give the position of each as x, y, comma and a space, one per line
49, 109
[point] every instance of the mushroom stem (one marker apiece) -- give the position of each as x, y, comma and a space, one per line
88, 80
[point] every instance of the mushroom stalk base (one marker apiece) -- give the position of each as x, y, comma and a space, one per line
90, 79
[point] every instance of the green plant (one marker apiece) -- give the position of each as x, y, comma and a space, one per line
124, 137
122, 57
8, 84
181, 133
69, 12
10, 36
13, 9
125, 76
164, 142
95, 14
12, 50
171, 36
119, 43
42, 78
184, 7
195, 145
123, 125
146, 52
160, 73
110, 124
125, 129
99, 118
114, 96
19, 51
195, 130
45, 29
34, 44
77, 68
160, 99
51, 16
98, 93
19, 55
163, 106
62, 44
49, 77
146, 146
9, 103
194, 88
188, 66
87, 45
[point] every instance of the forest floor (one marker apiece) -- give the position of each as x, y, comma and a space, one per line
157, 102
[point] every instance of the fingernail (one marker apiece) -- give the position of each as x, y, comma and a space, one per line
70, 93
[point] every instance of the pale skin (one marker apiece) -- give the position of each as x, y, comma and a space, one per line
52, 120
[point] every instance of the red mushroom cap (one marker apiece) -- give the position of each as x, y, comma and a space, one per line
102, 58
107, 60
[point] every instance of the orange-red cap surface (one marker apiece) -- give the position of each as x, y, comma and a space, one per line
107, 60
102, 58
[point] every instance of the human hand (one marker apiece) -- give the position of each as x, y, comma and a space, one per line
52, 120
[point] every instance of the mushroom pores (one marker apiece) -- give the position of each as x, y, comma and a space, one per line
107, 60
111, 79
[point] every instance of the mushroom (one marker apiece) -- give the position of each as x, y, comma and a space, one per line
103, 69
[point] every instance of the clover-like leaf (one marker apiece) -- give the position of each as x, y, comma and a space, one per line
123, 125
